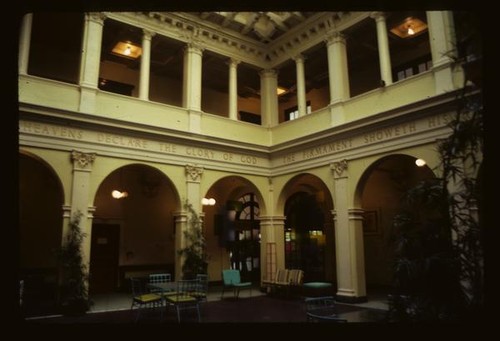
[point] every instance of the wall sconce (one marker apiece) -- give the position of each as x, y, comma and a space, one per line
208, 202
118, 195
420, 162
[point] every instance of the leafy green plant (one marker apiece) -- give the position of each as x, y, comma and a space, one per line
439, 234
74, 275
194, 253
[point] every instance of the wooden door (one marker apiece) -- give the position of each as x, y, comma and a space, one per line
104, 254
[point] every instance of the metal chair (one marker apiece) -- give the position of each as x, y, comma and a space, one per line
322, 309
184, 298
202, 289
159, 278
142, 299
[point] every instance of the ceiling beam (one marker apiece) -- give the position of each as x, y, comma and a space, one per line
250, 21
229, 16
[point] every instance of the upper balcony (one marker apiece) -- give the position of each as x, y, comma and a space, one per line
53, 75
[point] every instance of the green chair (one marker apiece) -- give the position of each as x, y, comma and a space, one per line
231, 279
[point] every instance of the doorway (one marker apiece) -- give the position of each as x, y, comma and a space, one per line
104, 270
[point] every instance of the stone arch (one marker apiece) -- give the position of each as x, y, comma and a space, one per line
41, 199
379, 192
307, 205
140, 225
222, 240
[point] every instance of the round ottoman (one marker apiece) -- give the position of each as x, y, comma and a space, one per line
317, 289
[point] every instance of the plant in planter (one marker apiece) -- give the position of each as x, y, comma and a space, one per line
74, 296
194, 253
439, 268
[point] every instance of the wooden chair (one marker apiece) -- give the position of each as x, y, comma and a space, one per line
231, 279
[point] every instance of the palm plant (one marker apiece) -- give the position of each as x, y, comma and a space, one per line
74, 275
439, 234
194, 253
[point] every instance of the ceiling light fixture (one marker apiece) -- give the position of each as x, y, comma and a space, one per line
127, 49
280, 90
409, 27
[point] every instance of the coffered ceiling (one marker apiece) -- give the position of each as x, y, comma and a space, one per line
260, 26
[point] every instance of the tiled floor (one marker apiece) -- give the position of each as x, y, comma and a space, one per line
122, 301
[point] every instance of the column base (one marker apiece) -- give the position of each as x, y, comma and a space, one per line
350, 299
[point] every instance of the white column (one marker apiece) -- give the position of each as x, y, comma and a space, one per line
384, 55
301, 85
82, 167
91, 50
348, 240
24, 43
269, 97
192, 77
181, 224
442, 41
90, 60
337, 68
145, 64
233, 89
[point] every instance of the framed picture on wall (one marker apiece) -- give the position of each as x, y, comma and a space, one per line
370, 222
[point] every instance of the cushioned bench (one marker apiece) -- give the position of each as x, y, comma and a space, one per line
285, 279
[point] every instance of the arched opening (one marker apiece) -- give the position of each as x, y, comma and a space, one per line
40, 233
132, 233
382, 188
304, 236
309, 230
232, 228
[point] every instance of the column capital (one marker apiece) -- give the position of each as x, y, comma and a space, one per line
193, 173
335, 37
356, 213
299, 58
147, 34
82, 161
194, 47
339, 169
270, 219
378, 15
233, 62
268, 73
97, 17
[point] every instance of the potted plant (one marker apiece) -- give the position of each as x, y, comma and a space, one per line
74, 297
440, 234
194, 253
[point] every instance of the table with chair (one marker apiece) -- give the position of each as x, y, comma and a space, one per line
142, 298
186, 294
